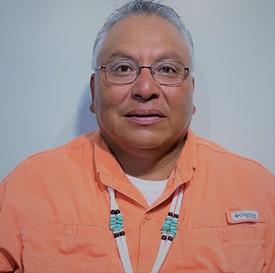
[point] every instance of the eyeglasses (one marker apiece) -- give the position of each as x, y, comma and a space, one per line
169, 73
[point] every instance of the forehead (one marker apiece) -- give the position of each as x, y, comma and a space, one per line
146, 39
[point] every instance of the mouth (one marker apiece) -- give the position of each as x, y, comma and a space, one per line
144, 117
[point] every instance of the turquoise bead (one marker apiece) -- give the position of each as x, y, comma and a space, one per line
170, 226
116, 222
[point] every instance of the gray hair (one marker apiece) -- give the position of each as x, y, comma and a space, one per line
141, 7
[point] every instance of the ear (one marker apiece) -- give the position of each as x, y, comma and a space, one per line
194, 110
193, 83
92, 88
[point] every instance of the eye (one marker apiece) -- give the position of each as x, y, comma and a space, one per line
121, 68
168, 69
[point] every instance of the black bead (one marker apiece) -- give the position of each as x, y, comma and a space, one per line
170, 213
116, 234
121, 233
117, 211
113, 211
176, 215
163, 237
170, 238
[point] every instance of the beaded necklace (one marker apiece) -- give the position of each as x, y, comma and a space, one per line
168, 231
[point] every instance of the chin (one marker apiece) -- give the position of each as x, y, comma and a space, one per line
144, 141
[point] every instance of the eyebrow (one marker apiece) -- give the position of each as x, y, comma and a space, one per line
166, 57
118, 54
170, 57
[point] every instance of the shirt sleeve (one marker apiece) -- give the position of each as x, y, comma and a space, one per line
270, 232
272, 263
10, 223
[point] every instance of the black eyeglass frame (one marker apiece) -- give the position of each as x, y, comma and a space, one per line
140, 67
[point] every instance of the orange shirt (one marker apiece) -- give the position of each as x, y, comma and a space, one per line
55, 213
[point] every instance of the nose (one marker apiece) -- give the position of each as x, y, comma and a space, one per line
145, 87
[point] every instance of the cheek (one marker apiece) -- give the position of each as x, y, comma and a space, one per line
181, 104
108, 97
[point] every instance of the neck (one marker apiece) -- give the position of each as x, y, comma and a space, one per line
148, 164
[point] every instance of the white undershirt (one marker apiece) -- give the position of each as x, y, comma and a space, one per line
150, 189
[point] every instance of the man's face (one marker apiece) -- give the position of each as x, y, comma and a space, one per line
143, 114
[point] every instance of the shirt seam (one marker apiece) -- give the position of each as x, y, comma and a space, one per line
232, 154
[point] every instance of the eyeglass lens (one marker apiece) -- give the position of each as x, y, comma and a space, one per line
166, 73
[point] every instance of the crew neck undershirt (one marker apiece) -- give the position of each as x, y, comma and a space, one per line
150, 189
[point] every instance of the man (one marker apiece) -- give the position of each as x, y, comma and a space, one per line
142, 194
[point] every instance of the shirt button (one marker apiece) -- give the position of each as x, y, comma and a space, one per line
224, 235
148, 216
68, 231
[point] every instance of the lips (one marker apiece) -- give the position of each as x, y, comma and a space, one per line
144, 113
145, 117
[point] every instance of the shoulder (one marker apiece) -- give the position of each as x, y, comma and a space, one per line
54, 165
212, 153
233, 174
75, 146
231, 180
69, 152
49, 179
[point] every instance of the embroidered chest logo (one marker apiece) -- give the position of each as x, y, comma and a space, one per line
245, 215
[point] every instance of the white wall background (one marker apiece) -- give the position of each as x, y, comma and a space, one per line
45, 56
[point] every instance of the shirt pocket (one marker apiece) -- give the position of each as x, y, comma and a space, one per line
52, 248
233, 248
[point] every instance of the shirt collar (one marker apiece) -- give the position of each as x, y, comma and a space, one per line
112, 175
185, 166
107, 168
